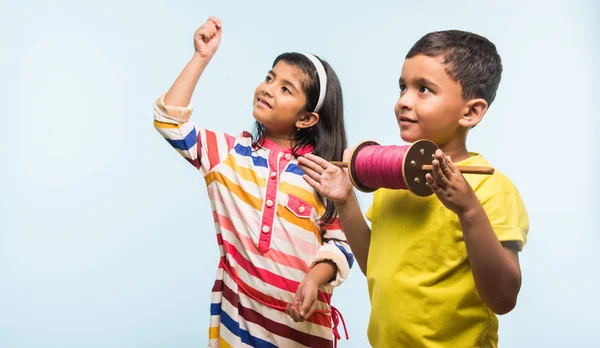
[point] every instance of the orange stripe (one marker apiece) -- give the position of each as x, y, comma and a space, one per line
308, 196
254, 202
305, 224
213, 332
165, 125
223, 343
246, 173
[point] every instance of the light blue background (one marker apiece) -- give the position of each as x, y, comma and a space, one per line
106, 234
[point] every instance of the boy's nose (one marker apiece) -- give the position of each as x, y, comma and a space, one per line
404, 102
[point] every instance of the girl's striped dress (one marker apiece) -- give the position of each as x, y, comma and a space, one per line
268, 232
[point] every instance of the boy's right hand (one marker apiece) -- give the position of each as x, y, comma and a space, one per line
330, 181
207, 38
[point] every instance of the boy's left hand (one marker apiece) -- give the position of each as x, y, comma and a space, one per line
450, 186
305, 302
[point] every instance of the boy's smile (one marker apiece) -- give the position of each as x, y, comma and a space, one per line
430, 103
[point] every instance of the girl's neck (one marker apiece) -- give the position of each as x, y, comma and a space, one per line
284, 141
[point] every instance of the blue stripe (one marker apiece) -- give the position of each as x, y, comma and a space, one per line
248, 339
247, 151
349, 256
185, 144
292, 168
215, 308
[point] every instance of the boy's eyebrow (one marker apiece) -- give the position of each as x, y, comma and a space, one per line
426, 82
419, 80
285, 82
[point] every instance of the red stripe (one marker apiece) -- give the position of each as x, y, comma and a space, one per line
277, 328
195, 163
273, 254
334, 225
217, 286
212, 148
266, 275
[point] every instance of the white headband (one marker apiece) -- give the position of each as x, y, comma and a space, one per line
322, 78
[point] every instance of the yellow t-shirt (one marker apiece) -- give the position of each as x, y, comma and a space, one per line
420, 282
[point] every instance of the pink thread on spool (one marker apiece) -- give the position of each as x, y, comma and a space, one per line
381, 166
372, 166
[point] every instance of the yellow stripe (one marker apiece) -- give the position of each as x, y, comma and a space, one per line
254, 202
223, 344
308, 196
213, 332
159, 124
306, 224
246, 173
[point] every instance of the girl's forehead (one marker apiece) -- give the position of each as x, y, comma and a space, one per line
289, 72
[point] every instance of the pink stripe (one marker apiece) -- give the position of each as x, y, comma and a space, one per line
309, 248
268, 276
275, 255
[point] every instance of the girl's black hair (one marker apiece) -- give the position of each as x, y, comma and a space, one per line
328, 136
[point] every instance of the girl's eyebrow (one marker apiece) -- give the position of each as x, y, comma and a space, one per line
285, 82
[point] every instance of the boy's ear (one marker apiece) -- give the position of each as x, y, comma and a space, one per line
307, 120
474, 111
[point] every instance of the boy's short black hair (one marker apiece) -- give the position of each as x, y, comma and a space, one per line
471, 59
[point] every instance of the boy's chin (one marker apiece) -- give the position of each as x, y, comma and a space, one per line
409, 137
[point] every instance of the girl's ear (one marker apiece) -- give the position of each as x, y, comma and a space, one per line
307, 120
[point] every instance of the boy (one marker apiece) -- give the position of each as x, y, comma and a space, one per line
440, 267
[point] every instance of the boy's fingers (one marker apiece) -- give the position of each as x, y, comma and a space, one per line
450, 164
438, 174
431, 182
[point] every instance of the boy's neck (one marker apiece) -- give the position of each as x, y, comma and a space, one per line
457, 150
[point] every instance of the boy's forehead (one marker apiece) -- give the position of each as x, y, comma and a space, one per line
422, 66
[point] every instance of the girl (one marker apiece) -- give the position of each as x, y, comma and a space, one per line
282, 248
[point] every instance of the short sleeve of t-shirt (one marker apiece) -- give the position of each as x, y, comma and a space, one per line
508, 215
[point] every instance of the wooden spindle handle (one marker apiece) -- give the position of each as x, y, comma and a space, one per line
340, 164
466, 169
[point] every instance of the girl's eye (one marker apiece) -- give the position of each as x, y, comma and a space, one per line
424, 90
286, 90
268, 78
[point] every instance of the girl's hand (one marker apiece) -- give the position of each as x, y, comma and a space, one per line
330, 181
305, 301
207, 38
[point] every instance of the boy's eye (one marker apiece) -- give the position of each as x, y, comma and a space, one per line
402, 87
268, 78
424, 90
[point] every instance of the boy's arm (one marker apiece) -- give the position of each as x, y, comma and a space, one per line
356, 229
495, 266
